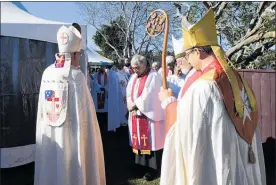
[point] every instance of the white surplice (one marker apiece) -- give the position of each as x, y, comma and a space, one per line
114, 101
96, 89
203, 146
123, 80
175, 83
70, 152
149, 105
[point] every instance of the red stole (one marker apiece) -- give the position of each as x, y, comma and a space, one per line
195, 76
101, 96
142, 121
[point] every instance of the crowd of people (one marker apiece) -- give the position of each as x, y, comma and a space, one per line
202, 130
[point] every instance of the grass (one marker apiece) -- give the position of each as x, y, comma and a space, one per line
119, 160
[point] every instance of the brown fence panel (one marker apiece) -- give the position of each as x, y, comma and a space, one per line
273, 102
263, 84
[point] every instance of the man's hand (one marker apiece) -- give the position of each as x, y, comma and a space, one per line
102, 89
164, 94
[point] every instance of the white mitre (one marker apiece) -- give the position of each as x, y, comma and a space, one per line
69, 40
178, 47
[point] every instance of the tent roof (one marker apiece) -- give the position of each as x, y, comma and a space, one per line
95, 58
16, 22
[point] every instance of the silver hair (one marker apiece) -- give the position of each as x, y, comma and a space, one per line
138, 60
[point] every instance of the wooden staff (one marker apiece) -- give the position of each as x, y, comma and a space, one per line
157, 22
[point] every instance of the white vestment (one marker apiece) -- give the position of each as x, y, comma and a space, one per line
149, 105
97, 89
114, 101
175, 83
123, 80
128, 71
160, 71
203, 146
68, 151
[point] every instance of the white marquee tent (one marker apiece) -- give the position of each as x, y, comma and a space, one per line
18, 23
95, 58
28, 45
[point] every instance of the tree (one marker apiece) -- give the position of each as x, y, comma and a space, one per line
113, 34
246, 29
133, 17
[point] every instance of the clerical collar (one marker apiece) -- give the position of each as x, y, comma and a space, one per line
145, 73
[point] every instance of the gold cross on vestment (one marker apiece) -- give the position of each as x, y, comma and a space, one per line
144, 138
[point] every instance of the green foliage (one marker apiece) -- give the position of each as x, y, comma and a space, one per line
115, 36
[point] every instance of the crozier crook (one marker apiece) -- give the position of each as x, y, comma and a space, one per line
157, 22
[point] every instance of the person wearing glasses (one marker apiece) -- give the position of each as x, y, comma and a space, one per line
213, 138
182, 69
68, 142
146, 117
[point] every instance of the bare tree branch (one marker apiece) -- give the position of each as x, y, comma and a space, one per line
208, 5
254, 19
249, 40
220, 10
256, 53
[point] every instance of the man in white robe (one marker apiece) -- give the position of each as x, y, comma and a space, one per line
146, 119
182, 68
123, 80
127, 68
170, 63
213, 137
155, 66
68, 142
176, 81
100, 90
114, 100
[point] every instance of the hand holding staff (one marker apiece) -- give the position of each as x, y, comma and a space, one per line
157, 22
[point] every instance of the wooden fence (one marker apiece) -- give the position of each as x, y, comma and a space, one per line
263, 85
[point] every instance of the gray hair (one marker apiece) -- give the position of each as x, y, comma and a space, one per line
138, 60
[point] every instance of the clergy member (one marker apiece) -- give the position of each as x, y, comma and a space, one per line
100, 90
127, 68
170, 63
155, 66
182, 68
176, 81
114, 101
100, 97
68, 141
123, 80
146, 118
214, 138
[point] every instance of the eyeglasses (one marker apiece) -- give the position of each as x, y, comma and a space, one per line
188, 54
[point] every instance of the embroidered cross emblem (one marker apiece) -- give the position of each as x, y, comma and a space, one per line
246, 105
64, 38
134, 137
144, 138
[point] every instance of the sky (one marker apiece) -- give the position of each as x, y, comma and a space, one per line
62, 12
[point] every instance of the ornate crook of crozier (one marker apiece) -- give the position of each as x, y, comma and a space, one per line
157, 22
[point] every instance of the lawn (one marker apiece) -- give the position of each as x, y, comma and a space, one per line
119, 160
